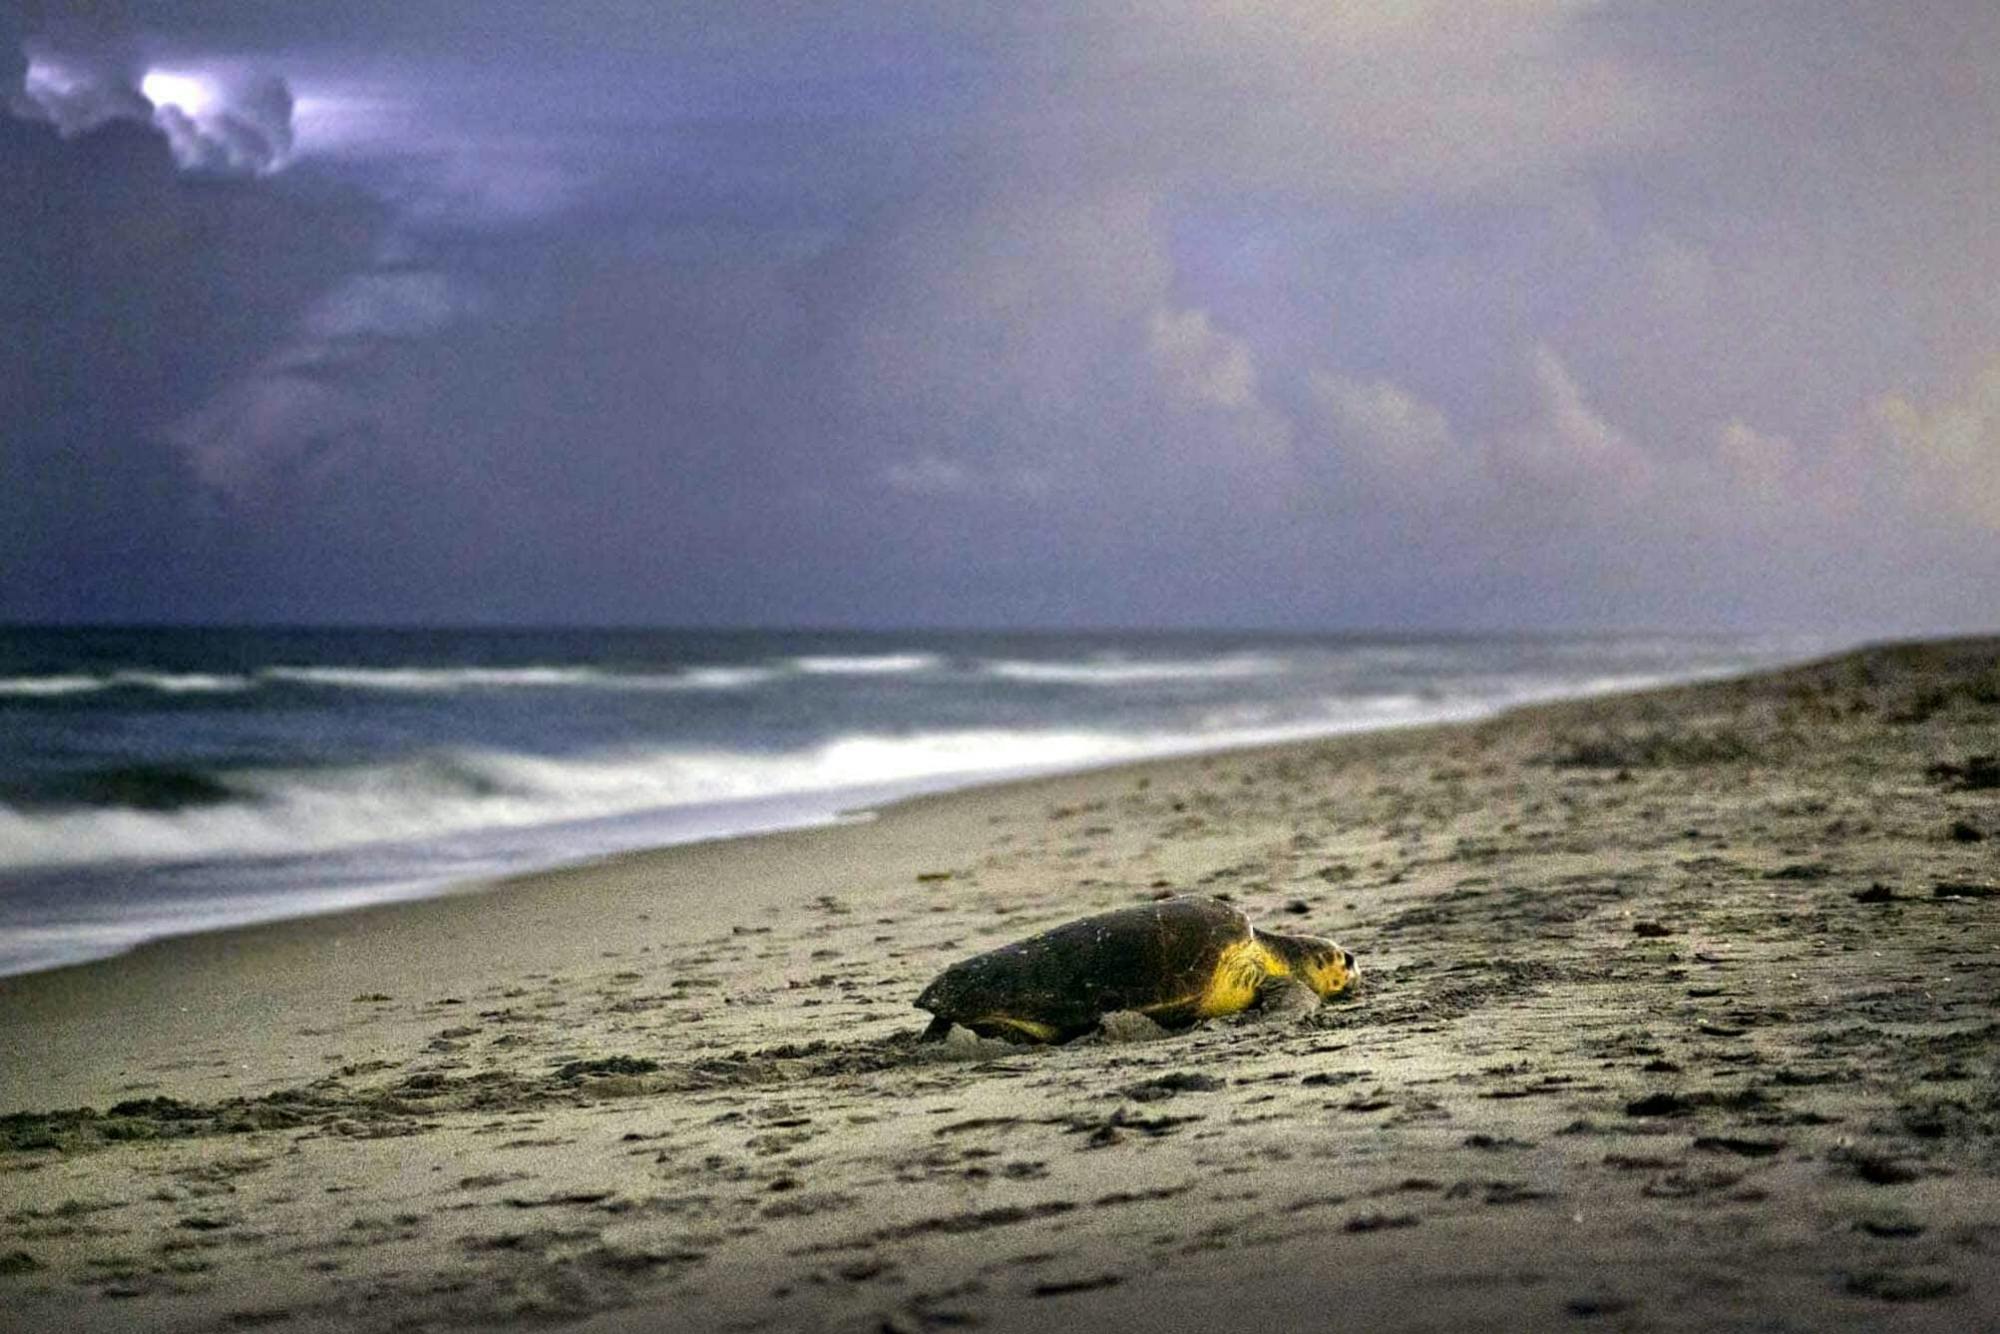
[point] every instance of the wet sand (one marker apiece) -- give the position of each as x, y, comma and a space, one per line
1679, 1013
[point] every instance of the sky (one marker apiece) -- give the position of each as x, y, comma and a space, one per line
1423, 315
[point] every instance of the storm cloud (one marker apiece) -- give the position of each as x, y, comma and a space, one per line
225, 120
1532, 313
133, 292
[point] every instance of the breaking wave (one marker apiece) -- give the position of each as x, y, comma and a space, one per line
869, 664
48, 687
1130, 671
184, 813
723, 678
170, 683
183, 683
190, 815
446, 679
161, 781
441, 678
290, 811
1107, 671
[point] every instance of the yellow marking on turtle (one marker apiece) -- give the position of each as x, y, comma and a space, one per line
1232, 984
1038, 1031
1241, 969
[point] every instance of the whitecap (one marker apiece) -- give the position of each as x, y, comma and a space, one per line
434, 678
440, 680
1135, 671
184, 683
42, 687
719, 678
871, 664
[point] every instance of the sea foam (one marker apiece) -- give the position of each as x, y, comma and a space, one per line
1129, 671
282, 812
169, 683
273, 812
869, 664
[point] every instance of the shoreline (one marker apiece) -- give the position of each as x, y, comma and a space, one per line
817, 810
400, 933
1677, 1015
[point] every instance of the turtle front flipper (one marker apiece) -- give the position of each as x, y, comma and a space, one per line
1283, 998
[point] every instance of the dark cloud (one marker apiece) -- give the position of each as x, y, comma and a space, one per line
1556, 313
143, 291
221, 121
78, 90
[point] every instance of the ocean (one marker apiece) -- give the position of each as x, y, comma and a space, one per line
161, 781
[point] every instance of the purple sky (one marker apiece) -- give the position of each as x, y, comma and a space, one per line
1529, 313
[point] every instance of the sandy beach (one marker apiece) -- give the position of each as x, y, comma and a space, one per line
1678, 1013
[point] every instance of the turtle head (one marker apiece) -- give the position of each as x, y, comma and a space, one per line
1316, 961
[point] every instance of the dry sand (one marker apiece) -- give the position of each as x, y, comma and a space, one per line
1679, 1014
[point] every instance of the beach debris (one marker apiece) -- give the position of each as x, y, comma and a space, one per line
1175, 963
1064, 1287
1974, 773
1167, 1085
1589, 1308
1740, 1145
1114, 1128
572, 1071
1657, 749
1379, 1222
1659, 1104
1964, 889
1896, 1286
1876, 1168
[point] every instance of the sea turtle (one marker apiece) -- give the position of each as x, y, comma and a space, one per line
1176, 961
